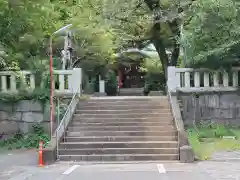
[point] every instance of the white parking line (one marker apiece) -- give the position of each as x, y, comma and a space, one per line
161, 168
24, 175
71, 169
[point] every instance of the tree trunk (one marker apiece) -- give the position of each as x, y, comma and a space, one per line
157, 40
175, 27
162, 54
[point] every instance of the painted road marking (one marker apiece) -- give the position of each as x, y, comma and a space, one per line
23, 175
161, 168
71, 169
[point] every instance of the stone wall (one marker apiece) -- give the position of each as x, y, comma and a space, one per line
22, 115
221, 107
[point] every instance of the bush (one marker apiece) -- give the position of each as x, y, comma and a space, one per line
154, 81
154, 78
207, 139
213, 130
111, 83
29, 140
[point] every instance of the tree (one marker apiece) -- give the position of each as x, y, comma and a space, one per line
24, 25
92, 38
212, 36
168, 15
153, 21
27, 25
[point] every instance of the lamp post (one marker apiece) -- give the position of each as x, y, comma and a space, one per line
51, 75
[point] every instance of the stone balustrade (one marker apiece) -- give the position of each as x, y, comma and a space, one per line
197, 80
218, 97
69, 81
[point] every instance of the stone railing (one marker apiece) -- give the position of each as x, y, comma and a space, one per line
69, 81
197, 80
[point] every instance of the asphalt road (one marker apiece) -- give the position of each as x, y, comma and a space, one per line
21, 165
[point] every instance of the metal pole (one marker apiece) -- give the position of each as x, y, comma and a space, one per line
51, 86
57, 141
58, 120
51, 78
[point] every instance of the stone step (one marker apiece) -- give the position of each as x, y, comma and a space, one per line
119, 128
125, 111
89, 151
127, 115
106, 123
119, 138
121, 157
117, 162
127, 91
78, 118
128, 98
132, 144
122, 133
129, 103
134, 93
121, 107
156, 101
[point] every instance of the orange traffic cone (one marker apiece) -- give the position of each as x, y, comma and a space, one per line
40, 159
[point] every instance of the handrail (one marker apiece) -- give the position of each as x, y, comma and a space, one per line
178, 126
61, 122
182, 134
64, 119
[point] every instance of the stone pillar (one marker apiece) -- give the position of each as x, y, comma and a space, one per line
171, 81
186, 154
76, 82
101, 86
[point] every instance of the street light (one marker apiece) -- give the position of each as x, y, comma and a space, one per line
51, 75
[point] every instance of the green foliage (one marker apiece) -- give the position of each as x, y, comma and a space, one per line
154, 78
154, 81
111, 83
40, 93
93, 38
27, 26
29, 140
212, 130
151, 65
207, 139
24, 27
212, 37
102, 28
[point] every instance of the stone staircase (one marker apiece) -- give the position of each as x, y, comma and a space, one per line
131, 92
113, 129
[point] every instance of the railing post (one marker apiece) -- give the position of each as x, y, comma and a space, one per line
172, 81
4, 83
187, 79
225, 79
178, 83
206, 79
32, 81
76, 81
216, 79
13, 85
23, 78
235, 78
196, 79
61, 82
